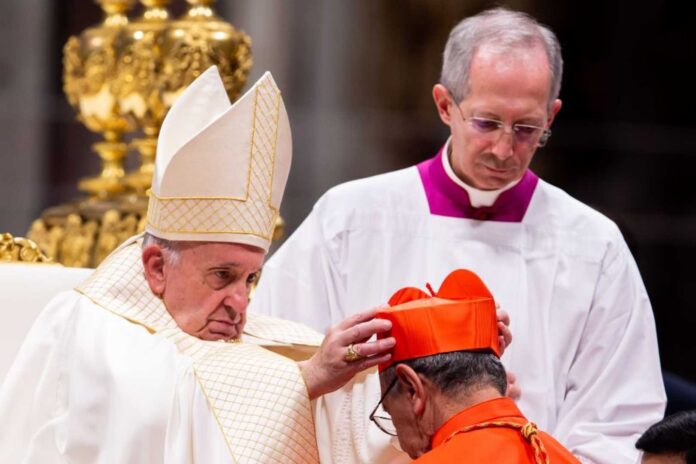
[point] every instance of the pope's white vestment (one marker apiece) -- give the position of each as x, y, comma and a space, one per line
584, 350
106, 376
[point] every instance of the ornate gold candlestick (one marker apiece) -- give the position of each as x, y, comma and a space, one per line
18, 249
90, 66
198, 40
122, 76
139, 88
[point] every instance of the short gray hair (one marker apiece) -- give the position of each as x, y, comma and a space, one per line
505, 30
173, 247
458, 372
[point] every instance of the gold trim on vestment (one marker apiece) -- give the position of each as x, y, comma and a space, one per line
271, 422
215, 415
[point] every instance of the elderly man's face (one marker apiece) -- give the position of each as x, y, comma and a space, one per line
413, 439
206, 289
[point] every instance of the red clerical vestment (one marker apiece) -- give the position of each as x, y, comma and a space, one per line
493, 431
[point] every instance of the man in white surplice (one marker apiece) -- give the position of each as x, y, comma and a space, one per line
585, 351
153, 358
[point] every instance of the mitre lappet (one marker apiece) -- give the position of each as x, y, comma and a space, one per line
221, 168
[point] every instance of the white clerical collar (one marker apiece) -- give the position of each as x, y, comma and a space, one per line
477, 197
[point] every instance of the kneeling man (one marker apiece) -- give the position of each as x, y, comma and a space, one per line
443, 389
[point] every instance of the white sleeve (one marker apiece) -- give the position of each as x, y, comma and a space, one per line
301, 281
24, 405
614, 388
193, 435
90, 387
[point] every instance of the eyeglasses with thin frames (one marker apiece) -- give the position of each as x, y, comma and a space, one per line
493, 129
384, 423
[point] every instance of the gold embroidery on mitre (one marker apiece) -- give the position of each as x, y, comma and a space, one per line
252, 215
257, 397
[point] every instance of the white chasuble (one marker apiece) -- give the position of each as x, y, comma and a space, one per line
584, 349
106, 376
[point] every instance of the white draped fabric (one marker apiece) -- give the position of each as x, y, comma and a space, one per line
584, 349
25, 289
91, 387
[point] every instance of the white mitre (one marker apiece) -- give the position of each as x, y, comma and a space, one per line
221, 169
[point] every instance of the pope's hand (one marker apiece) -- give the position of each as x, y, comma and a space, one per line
513, 390
505, 338
346, 351
504, 334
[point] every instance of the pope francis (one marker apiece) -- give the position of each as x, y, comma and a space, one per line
153, 358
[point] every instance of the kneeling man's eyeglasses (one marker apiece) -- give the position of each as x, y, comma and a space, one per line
380, 417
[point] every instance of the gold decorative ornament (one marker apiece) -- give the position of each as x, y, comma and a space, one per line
108, 235
198, 40
279, 229
47, 239
122, 76
18, 249
89, 68
76, 247
138, 85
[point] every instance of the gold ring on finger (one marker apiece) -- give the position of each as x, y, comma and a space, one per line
351, 354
